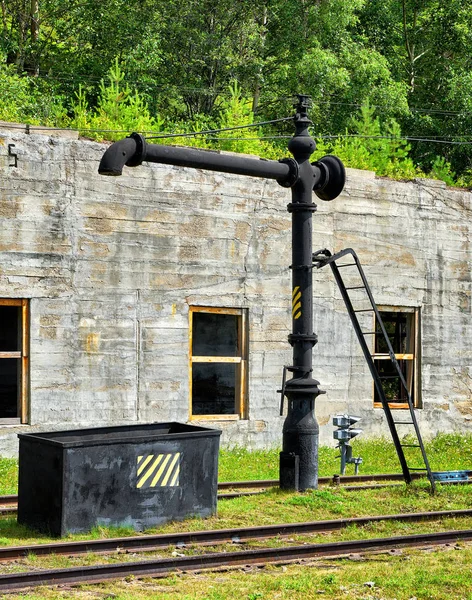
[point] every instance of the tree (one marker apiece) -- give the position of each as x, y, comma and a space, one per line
316, 48
428, 46
205, 45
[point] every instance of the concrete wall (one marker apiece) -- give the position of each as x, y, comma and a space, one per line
111, 266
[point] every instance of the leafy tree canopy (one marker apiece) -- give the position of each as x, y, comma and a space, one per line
206, 63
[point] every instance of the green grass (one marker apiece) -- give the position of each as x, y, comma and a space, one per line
446, 452
443, 575
440, 575
8, 476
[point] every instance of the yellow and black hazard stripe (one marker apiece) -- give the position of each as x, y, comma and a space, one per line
296, 303
158, 470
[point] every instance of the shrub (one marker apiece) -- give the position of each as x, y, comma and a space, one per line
119, 110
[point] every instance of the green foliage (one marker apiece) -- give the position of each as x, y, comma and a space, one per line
205, 64
465, 179
441, 169
119, 110
15, 94
27, 100
370, 145
199, 123
205, 45
236, 111
325, 499
329, 579
239, 463
428, 46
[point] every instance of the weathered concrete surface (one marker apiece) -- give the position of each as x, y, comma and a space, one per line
112, 265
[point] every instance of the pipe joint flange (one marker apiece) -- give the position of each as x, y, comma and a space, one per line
301, 206
303, 337
323, 176
140, 153
302, 386
291, 179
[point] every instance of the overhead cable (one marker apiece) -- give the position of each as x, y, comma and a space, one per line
210, 133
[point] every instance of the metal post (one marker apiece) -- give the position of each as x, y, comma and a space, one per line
301, 430
326, 177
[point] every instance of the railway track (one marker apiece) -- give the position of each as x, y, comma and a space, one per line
216, 560
335, 480
266, 483
215, 536
8, 504
341, 479
12, 500
181, 540
349, 488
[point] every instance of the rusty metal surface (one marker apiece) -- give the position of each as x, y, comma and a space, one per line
181, 539
163, 567
7, 500
267, 483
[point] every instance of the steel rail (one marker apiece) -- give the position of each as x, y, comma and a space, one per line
6, 500
236, 535
8, 510
228, 485
323, 480
166, 566
349, 488
8, 503
265, 483
12, 509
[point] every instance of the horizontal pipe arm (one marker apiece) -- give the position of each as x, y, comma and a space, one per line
214, 161
133, 150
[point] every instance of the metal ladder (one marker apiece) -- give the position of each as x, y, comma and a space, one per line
321, 258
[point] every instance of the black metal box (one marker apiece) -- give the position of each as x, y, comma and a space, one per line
138, 476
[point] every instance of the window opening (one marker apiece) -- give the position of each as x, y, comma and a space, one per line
218, 362
402, 327
13, 360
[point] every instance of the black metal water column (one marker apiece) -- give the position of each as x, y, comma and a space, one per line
299, 456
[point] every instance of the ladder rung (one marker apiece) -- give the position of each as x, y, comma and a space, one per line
376, 372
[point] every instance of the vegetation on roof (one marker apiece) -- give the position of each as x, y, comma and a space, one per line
390, 81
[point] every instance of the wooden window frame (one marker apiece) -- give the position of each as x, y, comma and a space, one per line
23, 354
414, 357
241, 361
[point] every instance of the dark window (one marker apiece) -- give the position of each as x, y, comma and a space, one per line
9, 376
214, 389
10, 328
402, 330
218, 363
13, 359
215, 335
